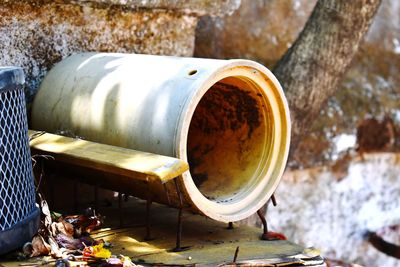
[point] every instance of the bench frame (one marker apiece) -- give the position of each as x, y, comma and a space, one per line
86, 154
77, 153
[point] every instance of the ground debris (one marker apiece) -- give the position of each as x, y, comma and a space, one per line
61, 236
39, 246
64, 241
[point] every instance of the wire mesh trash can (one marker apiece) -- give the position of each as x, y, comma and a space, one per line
19, 215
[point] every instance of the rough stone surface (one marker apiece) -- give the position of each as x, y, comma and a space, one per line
198, 7
210, 7
261, 30
36, 37
317, 209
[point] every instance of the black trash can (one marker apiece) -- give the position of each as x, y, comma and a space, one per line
19, 214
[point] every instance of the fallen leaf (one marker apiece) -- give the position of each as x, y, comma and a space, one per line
97, 251
40, 247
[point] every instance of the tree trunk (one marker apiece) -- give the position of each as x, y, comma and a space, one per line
311, 69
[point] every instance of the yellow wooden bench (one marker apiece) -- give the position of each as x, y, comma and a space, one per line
113, 166
110, 159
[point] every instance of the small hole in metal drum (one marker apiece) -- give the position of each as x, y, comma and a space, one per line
192, 72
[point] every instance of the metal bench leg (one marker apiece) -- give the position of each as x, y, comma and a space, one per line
50, 178
76, 201
167, 194
148, 207
121, 217
96, 197
179, 229
273, 200
264, 235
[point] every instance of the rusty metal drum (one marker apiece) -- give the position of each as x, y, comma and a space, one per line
228, 119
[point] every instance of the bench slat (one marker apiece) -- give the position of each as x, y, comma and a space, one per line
116, 160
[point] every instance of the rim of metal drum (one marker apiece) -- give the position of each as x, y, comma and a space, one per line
264, 80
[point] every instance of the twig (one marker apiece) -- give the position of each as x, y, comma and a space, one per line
236, 254
41, 263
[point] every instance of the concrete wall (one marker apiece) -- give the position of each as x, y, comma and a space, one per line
36, 34
261, 30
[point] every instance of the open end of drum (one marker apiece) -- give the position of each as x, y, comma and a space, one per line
229, 140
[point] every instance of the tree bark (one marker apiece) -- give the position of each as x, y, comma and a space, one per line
311, 69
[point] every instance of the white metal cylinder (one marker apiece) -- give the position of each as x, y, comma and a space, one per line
228, 118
